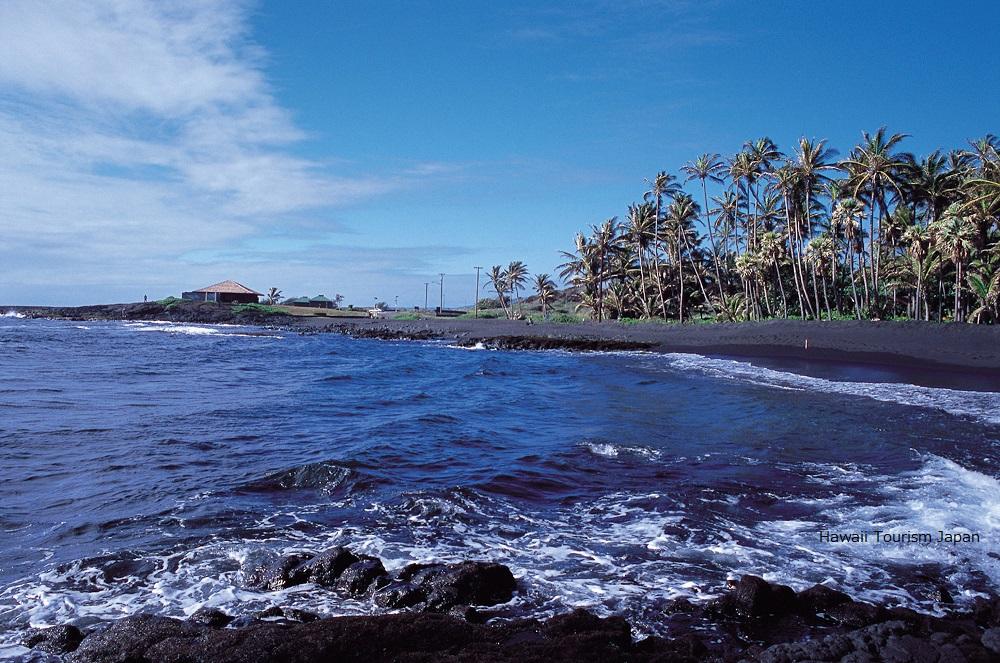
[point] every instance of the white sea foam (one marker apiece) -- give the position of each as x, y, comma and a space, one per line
194, 330
939, 495
981, 405
477, 346
624, 552
11, 314
609, 450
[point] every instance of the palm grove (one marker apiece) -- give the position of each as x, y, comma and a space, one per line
878, 234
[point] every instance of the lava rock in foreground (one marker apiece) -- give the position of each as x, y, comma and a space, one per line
384, 333
426, 587
756, 621
557, 343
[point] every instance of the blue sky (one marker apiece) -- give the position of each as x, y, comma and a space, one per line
361, 148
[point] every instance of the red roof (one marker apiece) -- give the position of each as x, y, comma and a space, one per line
230, 288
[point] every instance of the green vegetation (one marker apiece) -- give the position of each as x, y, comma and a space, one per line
170, 302
488, 315
406, 316
257, 308
565, 318
879, 234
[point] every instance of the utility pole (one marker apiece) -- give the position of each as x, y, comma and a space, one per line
396, 305
441, 310
477, 291
426, 290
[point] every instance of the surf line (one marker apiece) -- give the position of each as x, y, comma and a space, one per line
882, 537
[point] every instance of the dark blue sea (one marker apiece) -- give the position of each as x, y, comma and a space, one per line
144, 466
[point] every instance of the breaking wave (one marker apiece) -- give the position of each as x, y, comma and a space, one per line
984, 406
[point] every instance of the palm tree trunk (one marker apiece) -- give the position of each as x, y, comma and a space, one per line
871, 246
791, 253
958, 289
809, 231
826, 300
711, 239
697, 274
642, 280
833, 276
680, 282
854, 280
656, 258
781, 287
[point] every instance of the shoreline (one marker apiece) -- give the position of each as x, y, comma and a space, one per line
926, 346
460, 612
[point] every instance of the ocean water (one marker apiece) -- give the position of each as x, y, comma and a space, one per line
145, 466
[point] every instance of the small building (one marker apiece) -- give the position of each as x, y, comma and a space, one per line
321, 301
225, 292
296, 301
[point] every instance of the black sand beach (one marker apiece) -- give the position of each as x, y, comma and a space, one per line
924, 345
927, 345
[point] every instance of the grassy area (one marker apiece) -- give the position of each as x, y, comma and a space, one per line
305, 311
486, 314
257, 308
565, 318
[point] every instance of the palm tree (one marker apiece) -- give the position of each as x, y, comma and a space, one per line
546, 290
498, 279
953, 235
704, 168
918, 249
786, 179
772, 249
892, 234
604, 239
640, 230
517, 278
273, 296
874, 168
933, 185
681, 216
847, 215
662, 185
984, 283
811, 160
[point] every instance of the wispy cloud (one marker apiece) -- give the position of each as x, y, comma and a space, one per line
623, 29
131, 130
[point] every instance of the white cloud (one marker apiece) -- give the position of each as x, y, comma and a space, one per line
130, 131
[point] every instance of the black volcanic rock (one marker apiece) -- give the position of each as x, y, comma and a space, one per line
758, 622
273, 573
129, 639
755, 597
855, 614
887, 641
176, 311
991, 640
444, 586
287, 614
399, 594
557, 343
579, 637
386, 333
211, 617
53, 640
820, 598
324, 569
359, 576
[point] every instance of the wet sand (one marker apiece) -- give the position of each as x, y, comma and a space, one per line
973, 348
